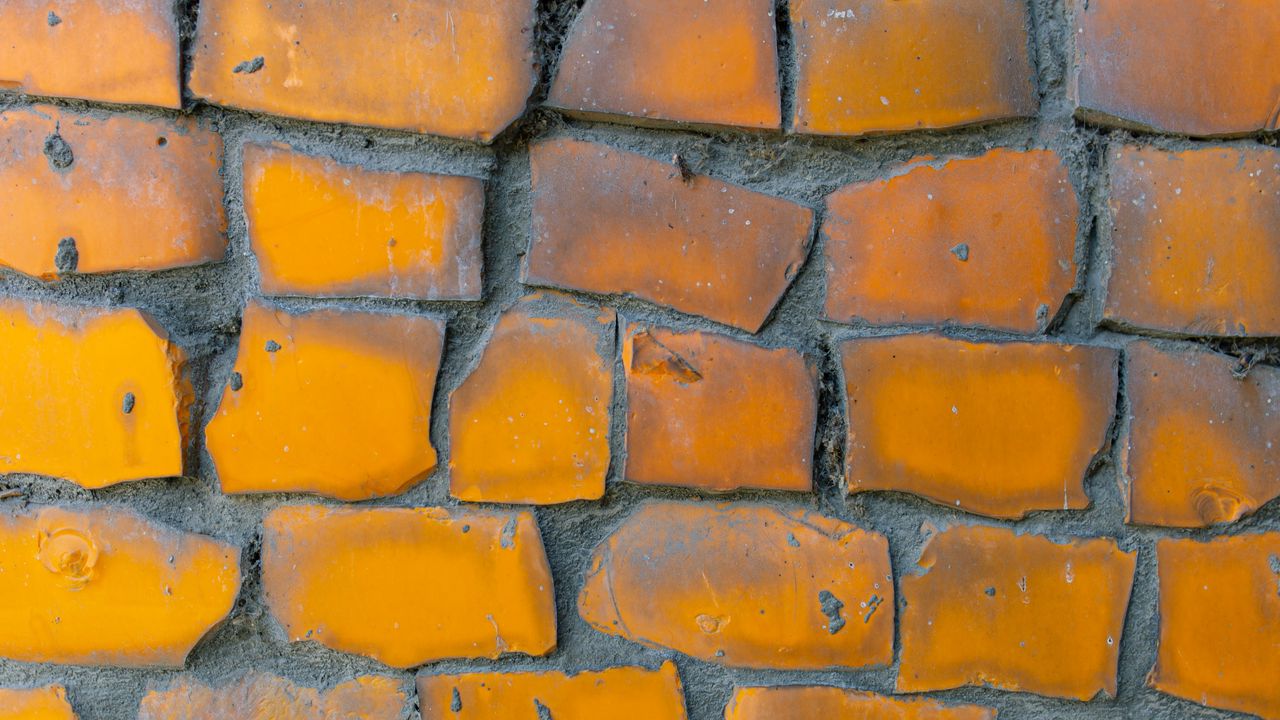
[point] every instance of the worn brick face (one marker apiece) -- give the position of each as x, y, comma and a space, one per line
620, 692
261, 696
1196, 240
326, 229
800, 702
744, 586
94, 193
409, 586
999, 429
986, 241
609, 221
45, 703
711, 412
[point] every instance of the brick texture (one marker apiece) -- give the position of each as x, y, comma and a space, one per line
46, 703
264, 696
798, 702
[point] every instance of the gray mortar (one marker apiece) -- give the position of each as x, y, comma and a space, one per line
201, 306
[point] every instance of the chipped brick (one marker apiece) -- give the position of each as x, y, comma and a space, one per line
799, 702
460, 68
131, 194
999, 429
711, 412
65, 372
258, 695
609, 221
987, 241
320, 228
44, 703
1196, 240
332, 402
409, 586
720, 583
697, 61
889, 66
531, 422
1052, 626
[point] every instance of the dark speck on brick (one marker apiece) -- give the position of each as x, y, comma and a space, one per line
129, 402
272, 346
58, 152
53, 19
249, 67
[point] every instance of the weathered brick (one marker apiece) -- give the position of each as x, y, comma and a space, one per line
999, 429
321, 228
332, 402
260, 696
461, 68
45, 703
610, 221
409, 586
531, 422
92, 395
104, 586
745, 586
92, 49
1200, 444
711, 412
698, 61
984, 241
93, 193
619, 692
799, 702
887, 66
1219, 601
1179, 66
1015, 612
1196, 240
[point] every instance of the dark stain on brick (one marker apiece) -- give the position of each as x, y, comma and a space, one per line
831, 607
237, 381
272, 346
58, 152
67, 258
872, 605
129, 402
961, 252
544, 713
456, 703
249, 67
53, 19
508, 535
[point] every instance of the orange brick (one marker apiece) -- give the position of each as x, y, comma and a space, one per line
799, 702
745, 586
107, 587
889, 66
1015, 612
46, 703
1219, 601
331, 402
409, 586
609, 221
321, 228
1180, 66
92, 395
620, 692
1196, 240
259, 696
93, 193
531, 422
698, 61
999, 429
92, 49
461, 68
711, 412
1200, 446
984, 241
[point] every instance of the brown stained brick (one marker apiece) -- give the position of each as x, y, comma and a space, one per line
890, 66
1196, 240
92, 395
609, 221
104, 50
460, 68
745, 586
711, 412
94, 193
799, 702
332, 402
1015, 612
45, 703
998, 429
619, 692
1202, 446
1219, 601
260, 696
531, 422
698, 61
986, 241
106, 587
1180, 66
409, 586
320, 228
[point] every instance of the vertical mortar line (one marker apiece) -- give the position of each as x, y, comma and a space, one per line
786, 50
618, 407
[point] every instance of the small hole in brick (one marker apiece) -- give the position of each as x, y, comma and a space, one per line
129, 402
272, 346
162, 141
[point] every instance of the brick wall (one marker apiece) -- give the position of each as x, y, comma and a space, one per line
639, 359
